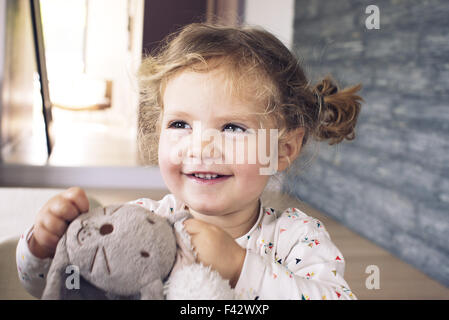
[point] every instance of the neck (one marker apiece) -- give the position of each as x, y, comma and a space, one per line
236, 223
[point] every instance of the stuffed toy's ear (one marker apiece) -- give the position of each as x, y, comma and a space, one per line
183, 240
185, 253
178, 216
56, 276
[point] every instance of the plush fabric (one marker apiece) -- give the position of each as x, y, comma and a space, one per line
207, 284
128, 252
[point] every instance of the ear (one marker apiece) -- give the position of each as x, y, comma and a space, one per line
290, 147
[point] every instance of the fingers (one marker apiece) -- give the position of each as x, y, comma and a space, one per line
194, 226
44, 237
78, 198
68, 204
54, 217
63, 209
52, 224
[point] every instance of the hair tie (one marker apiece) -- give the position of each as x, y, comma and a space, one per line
320, 100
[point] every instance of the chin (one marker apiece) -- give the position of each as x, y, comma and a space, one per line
209, 207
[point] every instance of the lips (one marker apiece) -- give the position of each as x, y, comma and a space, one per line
207, 177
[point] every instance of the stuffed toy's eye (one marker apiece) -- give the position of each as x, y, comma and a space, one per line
150, 221
106, 229
144, 254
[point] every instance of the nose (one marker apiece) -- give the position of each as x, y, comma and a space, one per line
106, 229
206, 144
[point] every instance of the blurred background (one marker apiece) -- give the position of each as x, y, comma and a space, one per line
69, 105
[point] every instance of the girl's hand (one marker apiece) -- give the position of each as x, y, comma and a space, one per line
216, 248
53, 220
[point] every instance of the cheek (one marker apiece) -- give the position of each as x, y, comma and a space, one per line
170, 170
249, 178
258, 151
242, 150
173, 145
163, 152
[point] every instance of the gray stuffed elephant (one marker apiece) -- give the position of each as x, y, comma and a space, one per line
121, 252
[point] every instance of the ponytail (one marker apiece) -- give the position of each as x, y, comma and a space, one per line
337, 111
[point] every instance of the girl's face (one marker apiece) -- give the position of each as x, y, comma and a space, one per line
204, 131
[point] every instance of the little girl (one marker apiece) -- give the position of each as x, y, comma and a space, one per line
230, 82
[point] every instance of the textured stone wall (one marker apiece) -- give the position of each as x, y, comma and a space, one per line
391, 184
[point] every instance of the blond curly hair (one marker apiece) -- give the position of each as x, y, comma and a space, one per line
258, 66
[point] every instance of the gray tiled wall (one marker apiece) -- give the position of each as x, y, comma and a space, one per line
391, 184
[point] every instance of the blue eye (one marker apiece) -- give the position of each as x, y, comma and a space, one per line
233, 128
179, 125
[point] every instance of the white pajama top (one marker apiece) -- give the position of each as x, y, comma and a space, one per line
289, 255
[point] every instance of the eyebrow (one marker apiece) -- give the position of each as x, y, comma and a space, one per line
225, 118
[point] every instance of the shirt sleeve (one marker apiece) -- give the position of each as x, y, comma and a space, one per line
32, 270
299, 262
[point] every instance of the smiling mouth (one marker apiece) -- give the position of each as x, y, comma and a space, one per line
207, 177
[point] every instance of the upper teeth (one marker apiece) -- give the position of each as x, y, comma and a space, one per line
205, 176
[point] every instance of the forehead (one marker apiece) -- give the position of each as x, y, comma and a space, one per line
217, 91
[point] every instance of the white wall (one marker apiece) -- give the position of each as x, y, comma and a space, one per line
109, 56
276, 16
107, 137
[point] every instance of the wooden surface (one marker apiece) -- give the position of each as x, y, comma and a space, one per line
398, 280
